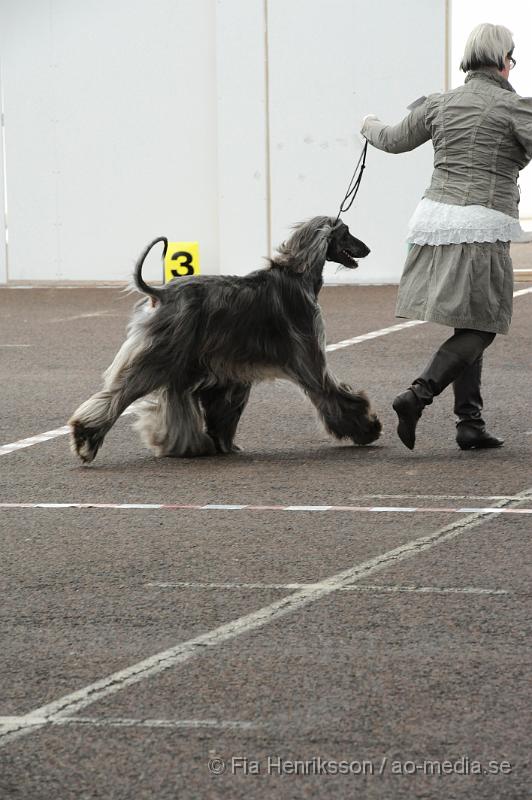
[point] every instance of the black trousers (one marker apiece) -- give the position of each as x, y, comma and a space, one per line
468, 344
468, 403
458, 361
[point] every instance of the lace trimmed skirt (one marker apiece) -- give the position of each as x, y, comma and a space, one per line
467, 285
444, 223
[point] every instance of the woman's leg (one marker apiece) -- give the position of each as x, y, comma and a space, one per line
456, 354
471, 430
467, 398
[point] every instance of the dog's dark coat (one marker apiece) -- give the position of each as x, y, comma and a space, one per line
197, 347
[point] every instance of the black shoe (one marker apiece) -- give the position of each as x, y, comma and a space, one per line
471, 437
408, 409
471, 431
443, 368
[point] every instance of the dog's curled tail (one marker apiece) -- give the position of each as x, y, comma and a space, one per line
141, 285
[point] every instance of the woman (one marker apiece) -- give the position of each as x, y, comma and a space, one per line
458, 271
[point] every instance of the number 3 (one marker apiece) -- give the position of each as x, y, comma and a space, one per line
186, 263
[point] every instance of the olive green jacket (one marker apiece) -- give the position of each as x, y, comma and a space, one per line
482, 137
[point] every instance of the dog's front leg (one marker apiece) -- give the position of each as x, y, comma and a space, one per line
223, 407
346, 414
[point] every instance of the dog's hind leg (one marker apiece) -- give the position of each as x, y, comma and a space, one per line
346, 414
132, 374
170, 423
223, 406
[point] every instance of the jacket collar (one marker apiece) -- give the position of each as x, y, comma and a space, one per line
489, 74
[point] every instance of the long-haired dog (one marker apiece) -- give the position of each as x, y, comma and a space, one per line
196, 345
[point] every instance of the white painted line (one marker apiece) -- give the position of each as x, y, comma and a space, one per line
216, 507
433, 496
39, 438
70, 704
43, 437
195, 585
394, 508
426, 589
7, 721
116, 722
87, 316
307, 508
480, 510
234, 507
31, 440
15, 345
361, 588
127, 722
374, 334
79, 285
393, 329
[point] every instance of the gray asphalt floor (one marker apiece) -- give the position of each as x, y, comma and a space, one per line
337, 652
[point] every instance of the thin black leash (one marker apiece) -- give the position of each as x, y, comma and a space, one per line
354, 183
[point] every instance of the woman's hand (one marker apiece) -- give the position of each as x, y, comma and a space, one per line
368, 116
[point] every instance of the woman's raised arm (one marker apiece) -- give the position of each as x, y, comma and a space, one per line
400, 138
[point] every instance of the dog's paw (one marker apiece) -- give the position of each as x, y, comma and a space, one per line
369, 432
84, 442
225, 448
202, 445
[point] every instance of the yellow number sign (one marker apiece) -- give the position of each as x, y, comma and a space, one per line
182, 258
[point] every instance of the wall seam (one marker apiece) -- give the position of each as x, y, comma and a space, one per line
448, 44
3, 188
267, 131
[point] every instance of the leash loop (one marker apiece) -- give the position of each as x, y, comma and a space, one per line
354, 183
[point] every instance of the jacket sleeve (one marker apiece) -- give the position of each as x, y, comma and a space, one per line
400, 138
522, 123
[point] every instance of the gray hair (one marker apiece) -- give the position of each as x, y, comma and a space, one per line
307, 247
487, 46
194, 353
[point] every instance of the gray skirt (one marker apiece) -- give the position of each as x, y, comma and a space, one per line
460, 285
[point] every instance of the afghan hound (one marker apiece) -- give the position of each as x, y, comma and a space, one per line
196, 345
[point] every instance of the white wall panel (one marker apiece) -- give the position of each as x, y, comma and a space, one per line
329, 65
242, 135
29, 134
110, 122
3, 252
129, 119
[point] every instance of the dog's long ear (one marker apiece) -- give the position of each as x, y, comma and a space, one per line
306, 249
